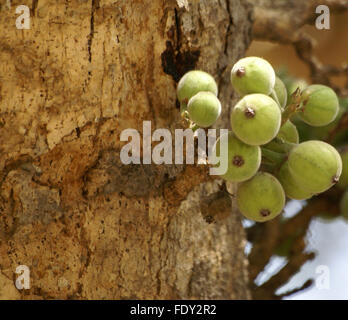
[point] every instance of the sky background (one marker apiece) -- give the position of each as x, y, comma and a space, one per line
330, 242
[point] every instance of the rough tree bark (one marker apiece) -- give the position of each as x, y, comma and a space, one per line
87, 226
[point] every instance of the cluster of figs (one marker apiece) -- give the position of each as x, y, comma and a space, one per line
265, 156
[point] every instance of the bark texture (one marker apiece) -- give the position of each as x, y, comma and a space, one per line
87, 226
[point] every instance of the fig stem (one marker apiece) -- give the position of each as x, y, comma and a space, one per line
292, 107
183, 111
193, 126
285, 146
268, 167
273, 157
188, 122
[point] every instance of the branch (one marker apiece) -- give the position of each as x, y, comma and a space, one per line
283, 276
299, 224
265, 242
281, 22
268, 236
306, 285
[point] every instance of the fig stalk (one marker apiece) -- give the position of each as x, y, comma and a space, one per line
273, 157
293, 107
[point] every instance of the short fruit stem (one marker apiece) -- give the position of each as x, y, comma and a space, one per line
273, 157
293, 107
283, 145
193, 126
183, 110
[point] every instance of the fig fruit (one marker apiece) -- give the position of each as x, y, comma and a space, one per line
315, 165
193, 82
243, 160
292, 188
252, 75
287, 133
256, 119
319, 105
261, 198
281, 93
204, 109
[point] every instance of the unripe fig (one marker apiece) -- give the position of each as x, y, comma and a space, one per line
193, 82
204, 109
315, 165
252, 75
343, 183
344, 205
292, 188
281, 93
261, 198
243, 160
319, 105
255, 119
287, 133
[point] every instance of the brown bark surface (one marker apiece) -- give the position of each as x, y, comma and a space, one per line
87, 226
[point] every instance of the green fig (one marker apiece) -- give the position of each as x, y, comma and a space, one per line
315, 165
292, 188
253, 75
281, 93
256, 119
261, 198
204, 109
287, 133
308, 132
343, 183
319, 105
193, 82
243, 160
344, 205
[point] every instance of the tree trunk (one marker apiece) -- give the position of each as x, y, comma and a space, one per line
87, 226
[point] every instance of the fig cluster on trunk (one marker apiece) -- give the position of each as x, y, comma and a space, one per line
265, 155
